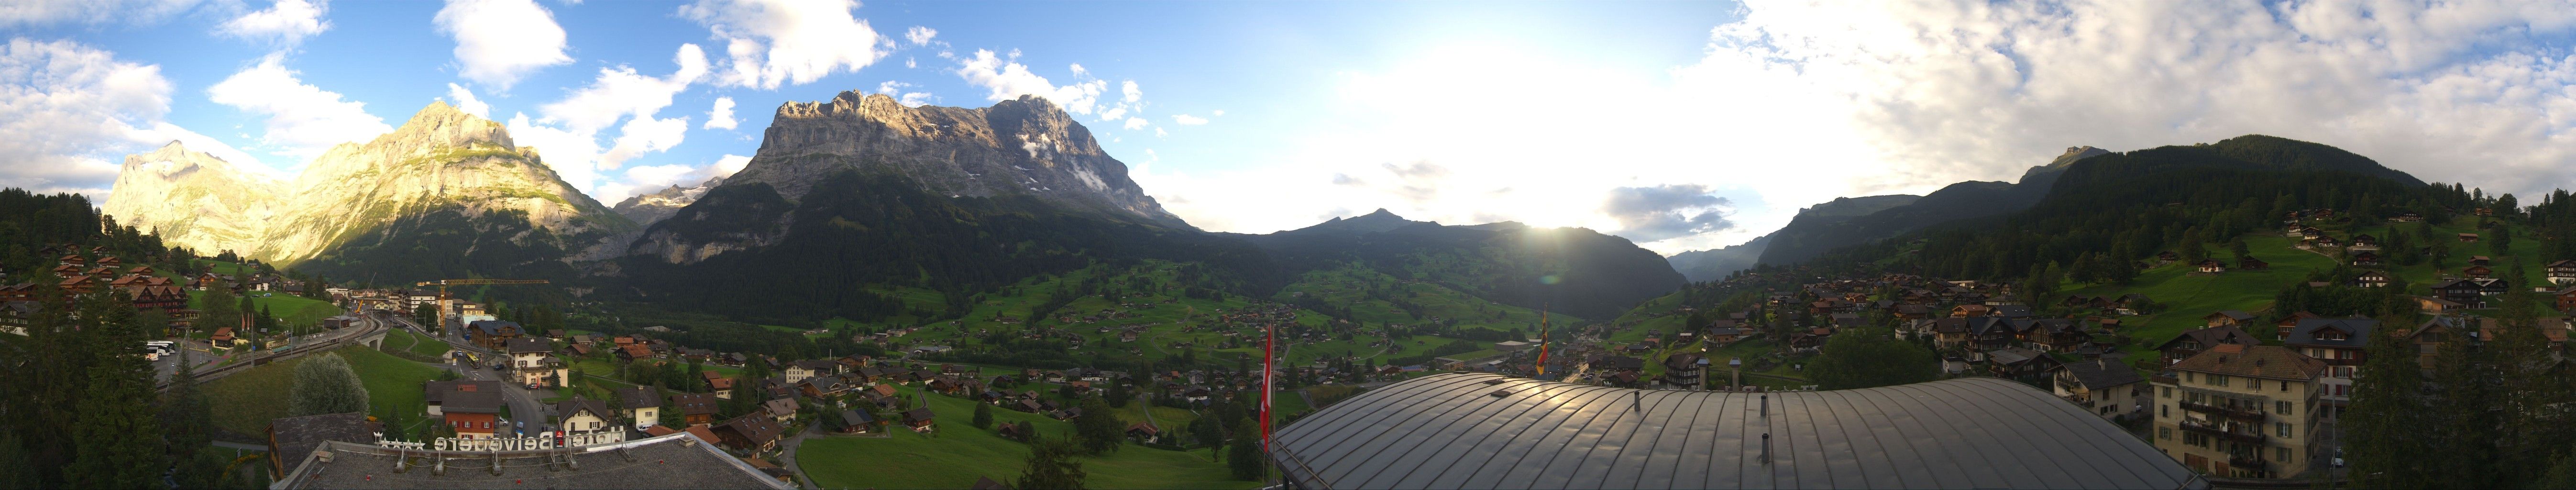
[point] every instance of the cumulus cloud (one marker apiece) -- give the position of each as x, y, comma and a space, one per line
567, 131
1847, 99
467, 103
650, 178
721, 117
1188, 120
286, 22
1136, 123
726, 166
66, 108
301, 120
500, 41
1648, 214
920, 36
908, 99
1003, 77
770, 42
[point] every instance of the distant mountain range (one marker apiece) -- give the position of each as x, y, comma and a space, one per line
1571, 270
1852, 221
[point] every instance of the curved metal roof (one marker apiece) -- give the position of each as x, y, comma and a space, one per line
1464, 430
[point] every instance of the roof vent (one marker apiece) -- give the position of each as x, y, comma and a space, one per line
1494, 381
2258, 362
1501, 393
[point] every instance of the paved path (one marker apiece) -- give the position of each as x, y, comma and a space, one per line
788, 455
524, 407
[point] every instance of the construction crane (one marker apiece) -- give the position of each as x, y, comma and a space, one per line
444, 302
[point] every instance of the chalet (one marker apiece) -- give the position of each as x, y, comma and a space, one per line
2342, 344
800, 370
223, 337
494, 334
2252, 264
2168, 256
2228, 318
2311, 233
1143, 432
1913, 312
2365, 259
2566, 298
2013, 311
2364, 241
2468, 237
2460, 291
2327, 241
633, 352
2019, 363
2429, 336
695, 408
2105, 387
534, 361
1970, 311
2562, 272
2480, 260
855, 421
24, 291
2477, 272
2491, 287
750, 433
2193, 342
67, 271
471, 411
584, 415
157, 297
78, 285
2283, 327
640, 404
16, 315
919, 419
75, 260
822, 387
781, 410
2211, 266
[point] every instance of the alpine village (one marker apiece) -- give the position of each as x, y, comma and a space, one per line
899, 295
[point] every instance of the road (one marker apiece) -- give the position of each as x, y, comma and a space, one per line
316, 342
524, 406
788, 453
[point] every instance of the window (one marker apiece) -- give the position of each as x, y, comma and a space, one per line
2168, 392
2218, 380
2283, 452
2164, 411
2285, 430
2285, 386
2164, 433
2188, 375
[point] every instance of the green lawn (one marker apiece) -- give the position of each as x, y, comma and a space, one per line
404, 340
293, 310
244, 402
2186, 297
960, 453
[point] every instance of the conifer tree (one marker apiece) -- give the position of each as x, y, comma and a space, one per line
118, 443
2384, 431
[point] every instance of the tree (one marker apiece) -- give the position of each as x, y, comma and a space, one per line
1050, 466
187, 418
118, 443
1119, 395
983, 416
1098, 429
1246, 460
1871, 357
2500, 240
324, 384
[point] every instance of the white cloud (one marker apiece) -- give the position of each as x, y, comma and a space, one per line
501, 41
769, 42
286, 22
467, 103
908, 99
911, 63
566, 132
301, 120
1137, 123
721, 117
1134, 94
914, 99
1219, 113
67, 109
726, 166
1188, 120
920, 36
1844, 99
1004, 78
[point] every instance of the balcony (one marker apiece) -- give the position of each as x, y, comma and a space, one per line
2251, 415
2248, 436
2248, 463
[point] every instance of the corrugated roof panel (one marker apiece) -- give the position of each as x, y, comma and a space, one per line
1445, 431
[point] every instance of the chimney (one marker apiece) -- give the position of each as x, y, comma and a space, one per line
1766, 411
1766, 448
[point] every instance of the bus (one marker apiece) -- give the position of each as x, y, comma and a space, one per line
154, 349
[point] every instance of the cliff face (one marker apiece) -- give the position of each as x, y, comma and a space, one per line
1026, 146
442, 162
193, 199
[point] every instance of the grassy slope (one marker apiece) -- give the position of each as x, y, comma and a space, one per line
244, 402
293, 310
960, 453
401, 339
2187, 297
1155, 282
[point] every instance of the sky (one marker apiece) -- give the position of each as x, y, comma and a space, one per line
1679, 125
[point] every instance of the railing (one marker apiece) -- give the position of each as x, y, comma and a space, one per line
2248, 463
2223, 432
2233, 412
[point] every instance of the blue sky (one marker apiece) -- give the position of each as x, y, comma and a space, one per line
1681, 125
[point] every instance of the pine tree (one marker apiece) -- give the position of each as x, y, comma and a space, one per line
1246, 459
119, 437
2384, 431
186, 415
2465, 422
983, 416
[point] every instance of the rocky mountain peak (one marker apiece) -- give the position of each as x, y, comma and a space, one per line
441, 125
1024, 146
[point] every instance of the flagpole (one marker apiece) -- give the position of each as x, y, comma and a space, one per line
1269, 356
1543, 335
